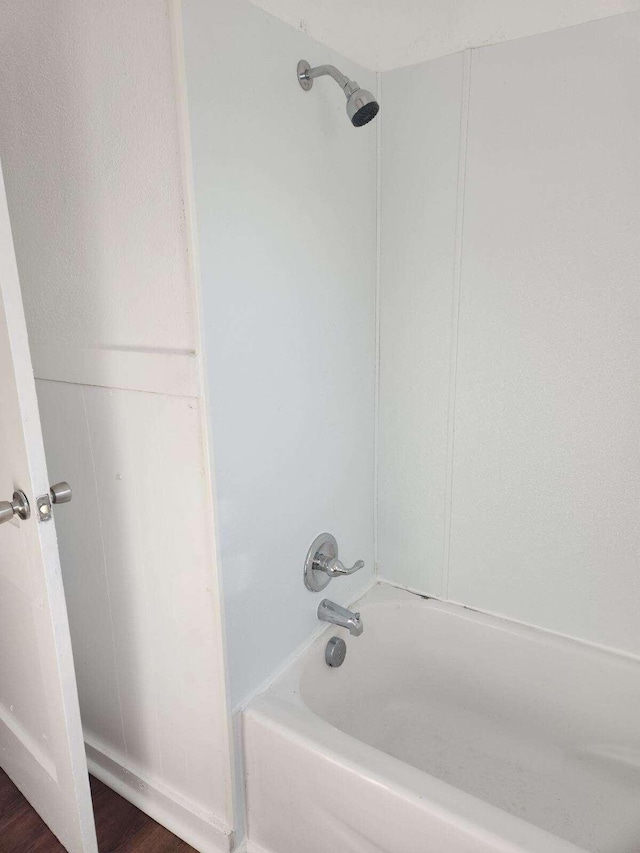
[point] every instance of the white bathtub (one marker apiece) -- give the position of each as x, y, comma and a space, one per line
446, 730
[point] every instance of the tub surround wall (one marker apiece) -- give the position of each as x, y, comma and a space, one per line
509, 466
90, 141
421, 128
285, 192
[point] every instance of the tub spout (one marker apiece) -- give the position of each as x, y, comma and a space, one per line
329, 611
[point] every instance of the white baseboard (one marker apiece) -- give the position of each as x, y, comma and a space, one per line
247, 846
184, 819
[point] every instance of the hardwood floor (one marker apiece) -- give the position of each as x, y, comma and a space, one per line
121, 827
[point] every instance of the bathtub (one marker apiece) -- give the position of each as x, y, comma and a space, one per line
450, 731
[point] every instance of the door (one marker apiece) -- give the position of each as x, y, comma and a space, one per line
41, 743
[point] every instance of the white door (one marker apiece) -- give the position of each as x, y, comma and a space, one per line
41, 743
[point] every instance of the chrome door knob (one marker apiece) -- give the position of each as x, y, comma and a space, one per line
18, 506
61, 493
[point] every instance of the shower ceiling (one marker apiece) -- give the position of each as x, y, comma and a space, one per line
386, 34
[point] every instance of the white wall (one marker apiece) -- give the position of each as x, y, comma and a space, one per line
419, 165
285, 191
90, 140
98, 109
536, 515
383, 35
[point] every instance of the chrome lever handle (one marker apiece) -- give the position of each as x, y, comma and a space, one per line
322, 563
336, 568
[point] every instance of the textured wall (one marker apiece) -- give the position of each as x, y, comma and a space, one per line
285, 192
536, 516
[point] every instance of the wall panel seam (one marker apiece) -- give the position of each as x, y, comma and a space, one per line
455, 315
376, 395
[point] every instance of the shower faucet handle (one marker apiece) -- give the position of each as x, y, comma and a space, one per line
322, 563
335, 567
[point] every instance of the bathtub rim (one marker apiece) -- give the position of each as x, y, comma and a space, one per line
286, 682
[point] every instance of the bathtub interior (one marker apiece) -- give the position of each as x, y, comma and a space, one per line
543, 727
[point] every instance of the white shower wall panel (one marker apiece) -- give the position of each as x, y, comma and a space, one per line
538, 515
546, 469
421, 127
285, 192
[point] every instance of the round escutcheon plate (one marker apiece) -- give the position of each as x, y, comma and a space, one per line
323, 547
303, 67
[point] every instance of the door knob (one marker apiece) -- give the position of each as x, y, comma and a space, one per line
61, 493
18, 506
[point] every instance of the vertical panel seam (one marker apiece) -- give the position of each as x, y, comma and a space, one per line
106, 572
455, 314
376, 393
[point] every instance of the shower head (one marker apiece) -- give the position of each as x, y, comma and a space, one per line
361, 104
361, 107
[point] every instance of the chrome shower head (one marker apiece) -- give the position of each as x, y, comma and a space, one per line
362, 107
361, 104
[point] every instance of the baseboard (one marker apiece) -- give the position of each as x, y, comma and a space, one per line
184, 819
248, 847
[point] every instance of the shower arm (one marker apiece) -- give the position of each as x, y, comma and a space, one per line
347, 85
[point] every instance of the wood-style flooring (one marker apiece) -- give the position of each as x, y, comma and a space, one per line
121, 827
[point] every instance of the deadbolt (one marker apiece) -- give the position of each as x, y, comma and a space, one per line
18, 506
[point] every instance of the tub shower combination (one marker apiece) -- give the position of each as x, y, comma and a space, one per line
415, 726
